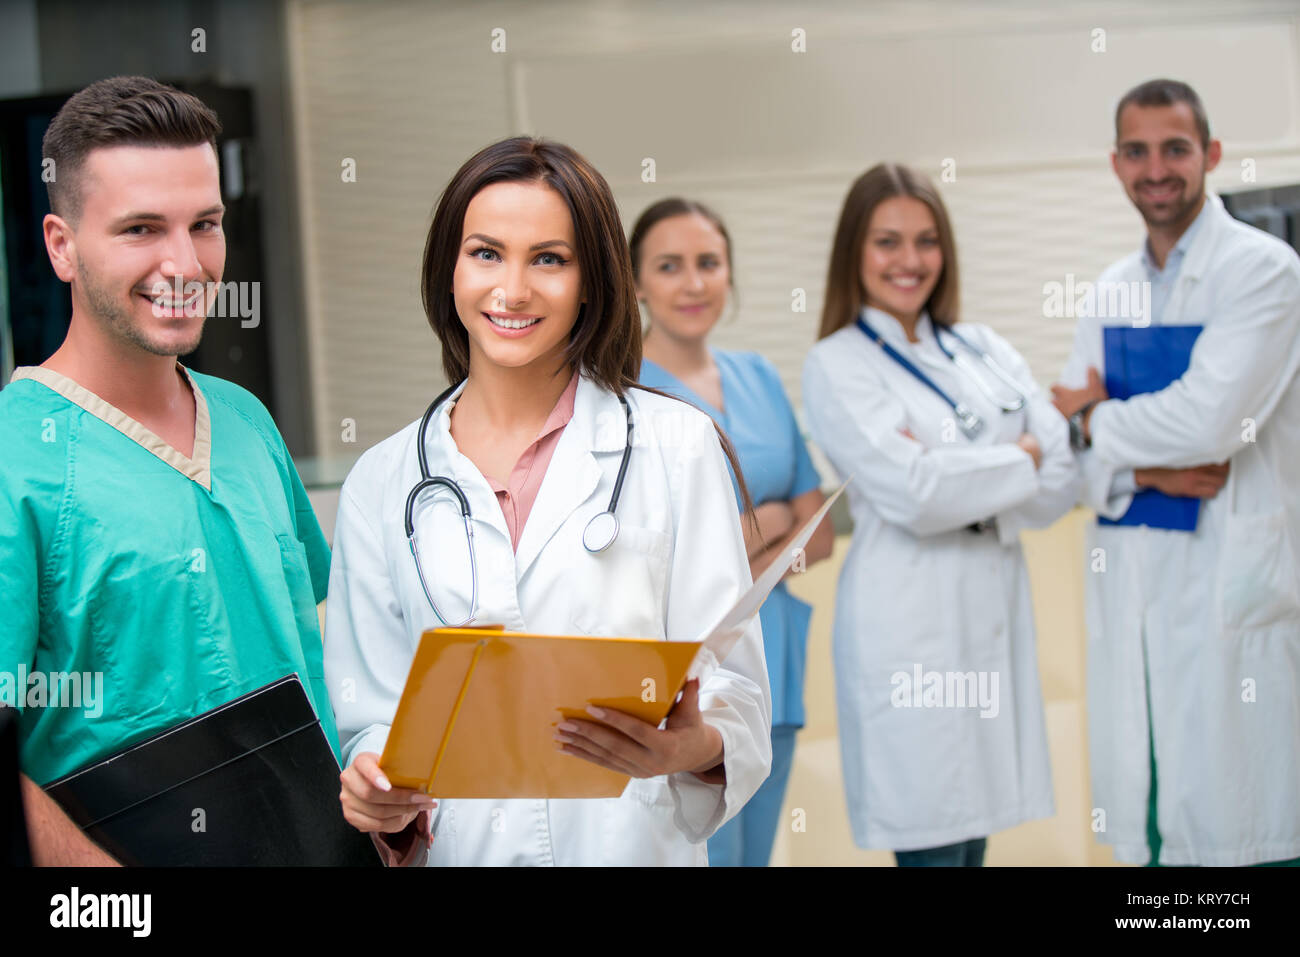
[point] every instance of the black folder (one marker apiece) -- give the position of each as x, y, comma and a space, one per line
252, 782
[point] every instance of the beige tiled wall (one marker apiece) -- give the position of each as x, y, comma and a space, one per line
1009, 96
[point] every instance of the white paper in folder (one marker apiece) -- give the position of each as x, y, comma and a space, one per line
722, 637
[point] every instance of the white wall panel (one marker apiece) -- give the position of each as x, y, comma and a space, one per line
1011, 91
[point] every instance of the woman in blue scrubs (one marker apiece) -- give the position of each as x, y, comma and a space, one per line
681, 255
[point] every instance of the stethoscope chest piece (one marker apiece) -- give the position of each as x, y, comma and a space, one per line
600, 532
968, 421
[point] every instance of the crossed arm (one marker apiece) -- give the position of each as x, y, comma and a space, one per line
1198, 481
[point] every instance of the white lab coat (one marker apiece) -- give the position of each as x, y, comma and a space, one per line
1215, 614
678, 563
919, 590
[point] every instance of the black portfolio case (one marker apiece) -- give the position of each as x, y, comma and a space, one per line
252, 782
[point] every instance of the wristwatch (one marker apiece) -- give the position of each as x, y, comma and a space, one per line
1079, 441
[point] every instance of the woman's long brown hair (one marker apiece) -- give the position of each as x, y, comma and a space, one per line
605, 343
845, 295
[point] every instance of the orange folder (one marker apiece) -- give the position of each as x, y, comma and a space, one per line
478, 714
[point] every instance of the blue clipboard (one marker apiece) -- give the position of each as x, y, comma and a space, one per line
1140, 360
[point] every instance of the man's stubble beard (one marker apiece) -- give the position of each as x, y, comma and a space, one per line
121, 321
1182, 215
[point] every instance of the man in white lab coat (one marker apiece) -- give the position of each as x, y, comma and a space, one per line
1194, 637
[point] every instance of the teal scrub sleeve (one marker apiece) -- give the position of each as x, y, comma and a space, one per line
309, 533
19, 593
805, 473
306, 527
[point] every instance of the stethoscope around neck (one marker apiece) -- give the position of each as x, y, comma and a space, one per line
599, 534
970, 423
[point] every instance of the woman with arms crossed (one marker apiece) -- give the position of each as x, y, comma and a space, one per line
681, 255
527, 283
940, 714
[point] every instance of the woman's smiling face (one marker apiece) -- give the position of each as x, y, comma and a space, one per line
684, 275
902, 259
517, 282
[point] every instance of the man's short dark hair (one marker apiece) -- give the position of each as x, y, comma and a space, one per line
1166, 93
119, 111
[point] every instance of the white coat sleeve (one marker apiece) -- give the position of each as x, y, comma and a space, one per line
858, 424
367, 649
1105, 489
708, 574
1242, 363
1058, 475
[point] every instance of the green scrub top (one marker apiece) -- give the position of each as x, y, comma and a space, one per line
152, 586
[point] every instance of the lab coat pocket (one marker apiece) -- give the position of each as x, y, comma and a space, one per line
620, 592
1258, 584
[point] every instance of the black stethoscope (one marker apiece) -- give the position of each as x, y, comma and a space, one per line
596, 537
967, 420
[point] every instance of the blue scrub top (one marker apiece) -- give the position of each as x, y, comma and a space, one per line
761, 425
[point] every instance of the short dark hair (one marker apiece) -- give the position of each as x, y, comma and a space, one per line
1163, 92
119, 111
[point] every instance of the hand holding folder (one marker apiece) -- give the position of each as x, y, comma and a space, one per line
478, 714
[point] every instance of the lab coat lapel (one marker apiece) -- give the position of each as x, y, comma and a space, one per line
573, 474
1198, 259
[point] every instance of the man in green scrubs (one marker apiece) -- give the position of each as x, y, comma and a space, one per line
156, 544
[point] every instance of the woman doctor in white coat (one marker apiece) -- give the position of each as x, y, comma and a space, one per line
940, 715
528, 284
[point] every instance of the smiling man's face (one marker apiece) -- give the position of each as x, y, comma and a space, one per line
1161, 162
150, 218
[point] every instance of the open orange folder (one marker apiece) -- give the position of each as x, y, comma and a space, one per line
478, 714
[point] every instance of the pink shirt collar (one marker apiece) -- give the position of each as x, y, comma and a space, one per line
517, 496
